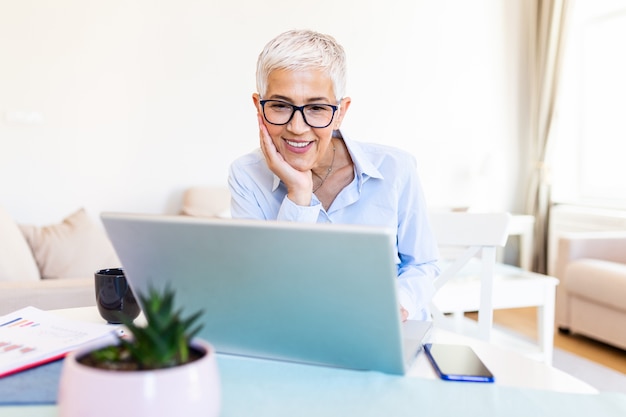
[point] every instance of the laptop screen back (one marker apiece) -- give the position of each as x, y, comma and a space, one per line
313, 293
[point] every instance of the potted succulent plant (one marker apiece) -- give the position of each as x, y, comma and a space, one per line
159, 370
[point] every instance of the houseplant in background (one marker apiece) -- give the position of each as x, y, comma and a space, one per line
159, 370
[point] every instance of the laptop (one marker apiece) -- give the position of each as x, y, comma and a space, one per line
309, 293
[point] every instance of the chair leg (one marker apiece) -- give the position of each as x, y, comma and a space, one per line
485, 313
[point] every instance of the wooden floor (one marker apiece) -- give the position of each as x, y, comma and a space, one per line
523, 320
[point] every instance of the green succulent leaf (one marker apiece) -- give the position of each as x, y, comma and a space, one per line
164, 341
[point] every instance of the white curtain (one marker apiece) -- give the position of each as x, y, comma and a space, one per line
547, 32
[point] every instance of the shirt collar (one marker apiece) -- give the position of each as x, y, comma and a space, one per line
276, 183
363, 165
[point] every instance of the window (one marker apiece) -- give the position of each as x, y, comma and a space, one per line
589, 156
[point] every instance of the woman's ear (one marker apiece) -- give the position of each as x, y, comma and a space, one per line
256, 99
343, 108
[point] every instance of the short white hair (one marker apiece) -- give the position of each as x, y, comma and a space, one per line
302, 50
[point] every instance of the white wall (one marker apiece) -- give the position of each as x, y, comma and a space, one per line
121, 105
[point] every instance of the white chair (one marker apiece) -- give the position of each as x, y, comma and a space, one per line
471, 235
472, 280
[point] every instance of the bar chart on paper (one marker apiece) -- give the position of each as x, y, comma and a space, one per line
8, 345
30, 337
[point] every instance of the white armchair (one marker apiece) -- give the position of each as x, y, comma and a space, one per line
591, 299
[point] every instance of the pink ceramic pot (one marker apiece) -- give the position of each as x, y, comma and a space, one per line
188, 390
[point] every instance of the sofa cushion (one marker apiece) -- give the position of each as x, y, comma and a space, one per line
602, 282
16, 260
74, 248
206, 202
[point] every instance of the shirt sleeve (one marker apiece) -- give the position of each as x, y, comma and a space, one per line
253, 195
244, 177
242, 202
415, 289
290, 211
417, 250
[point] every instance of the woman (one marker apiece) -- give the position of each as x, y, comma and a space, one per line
307, 171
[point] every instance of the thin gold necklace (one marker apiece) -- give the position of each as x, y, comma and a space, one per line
328, 171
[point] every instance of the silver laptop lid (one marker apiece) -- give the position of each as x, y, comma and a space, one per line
313, 293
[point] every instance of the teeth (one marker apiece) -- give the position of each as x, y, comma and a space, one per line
297, 144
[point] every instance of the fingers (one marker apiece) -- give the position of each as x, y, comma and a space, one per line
264, 137
272, 156
404, 314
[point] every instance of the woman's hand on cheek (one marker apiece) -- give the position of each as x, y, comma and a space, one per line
299, 183
274, 159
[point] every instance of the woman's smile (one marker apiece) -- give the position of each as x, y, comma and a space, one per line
298, 146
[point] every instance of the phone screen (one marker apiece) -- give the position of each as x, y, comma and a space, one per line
457, 363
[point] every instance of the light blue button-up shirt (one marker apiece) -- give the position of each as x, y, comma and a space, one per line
385, 191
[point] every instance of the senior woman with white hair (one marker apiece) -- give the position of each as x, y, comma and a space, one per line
307, 170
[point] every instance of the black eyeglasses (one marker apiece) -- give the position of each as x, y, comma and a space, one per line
278, 112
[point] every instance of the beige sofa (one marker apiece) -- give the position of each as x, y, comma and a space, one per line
51, 266
591, 298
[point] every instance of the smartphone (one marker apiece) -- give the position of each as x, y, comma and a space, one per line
457, 363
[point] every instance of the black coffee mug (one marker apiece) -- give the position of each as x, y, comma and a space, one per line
114, 297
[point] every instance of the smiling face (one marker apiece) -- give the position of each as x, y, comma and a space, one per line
302, 146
